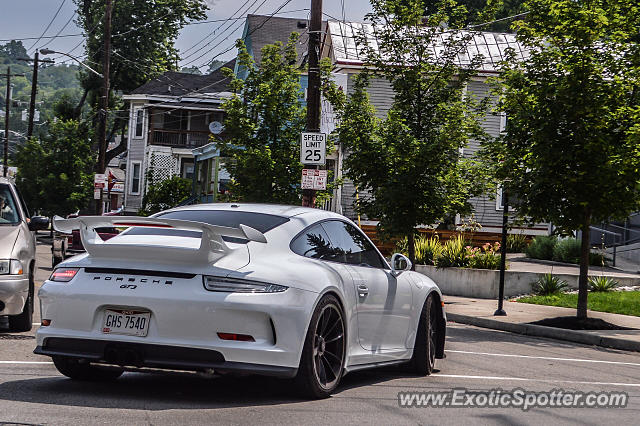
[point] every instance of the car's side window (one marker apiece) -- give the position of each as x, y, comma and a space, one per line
314, 242
351, 246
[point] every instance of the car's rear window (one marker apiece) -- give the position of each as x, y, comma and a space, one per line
260, 221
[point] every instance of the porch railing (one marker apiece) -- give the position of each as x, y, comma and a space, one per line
179, 138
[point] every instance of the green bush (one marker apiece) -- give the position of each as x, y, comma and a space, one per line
453, 253
548, 284
567, 250
427, 249
516, 243
542, 247
602, 283
165, 194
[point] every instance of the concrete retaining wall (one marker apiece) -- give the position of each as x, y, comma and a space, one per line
483, 283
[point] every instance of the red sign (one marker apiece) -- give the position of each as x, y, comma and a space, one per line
314, 179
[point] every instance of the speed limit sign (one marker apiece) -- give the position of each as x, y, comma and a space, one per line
313, 148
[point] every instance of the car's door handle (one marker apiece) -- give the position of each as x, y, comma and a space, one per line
363, 290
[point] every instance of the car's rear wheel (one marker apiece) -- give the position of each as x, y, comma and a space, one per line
23, 321
81, 370
423, 360
322, 361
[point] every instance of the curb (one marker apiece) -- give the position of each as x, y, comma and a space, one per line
549, 332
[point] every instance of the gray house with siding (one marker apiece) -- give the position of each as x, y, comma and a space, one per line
169, 117
340, 47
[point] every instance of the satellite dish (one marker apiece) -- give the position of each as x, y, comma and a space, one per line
215, 127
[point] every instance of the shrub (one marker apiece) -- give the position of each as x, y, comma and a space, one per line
453, 253
165, 195
542, 247
548, 284
567, 250
516, 243
485, 258
427, 249
602, 283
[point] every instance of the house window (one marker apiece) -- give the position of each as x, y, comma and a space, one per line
135, 178
513, 198
139, 120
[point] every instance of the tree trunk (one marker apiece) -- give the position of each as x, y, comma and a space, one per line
584, 270
412, 249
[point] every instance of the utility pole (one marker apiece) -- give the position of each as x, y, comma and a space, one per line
8, 76
313, 91
34, 89
503, 252
104, 102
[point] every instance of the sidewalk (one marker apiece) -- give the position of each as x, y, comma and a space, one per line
479, 312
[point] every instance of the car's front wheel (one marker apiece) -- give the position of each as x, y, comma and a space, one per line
81, 370
322, 361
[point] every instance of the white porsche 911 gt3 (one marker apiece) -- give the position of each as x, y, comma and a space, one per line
276, 290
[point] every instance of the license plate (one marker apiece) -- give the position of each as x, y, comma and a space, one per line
133, 323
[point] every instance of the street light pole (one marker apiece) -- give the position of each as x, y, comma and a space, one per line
313, 90
52, 52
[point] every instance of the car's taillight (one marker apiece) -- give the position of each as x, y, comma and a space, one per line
63, 274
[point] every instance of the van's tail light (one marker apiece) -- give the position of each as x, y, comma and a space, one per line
63, 274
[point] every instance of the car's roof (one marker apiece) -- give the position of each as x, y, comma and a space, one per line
272, 209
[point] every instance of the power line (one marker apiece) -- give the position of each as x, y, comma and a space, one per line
48, 26
60, 31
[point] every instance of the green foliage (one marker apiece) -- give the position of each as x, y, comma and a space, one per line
191, 70
548, 284
263, 125
571, 143
165, 194
616, 302
602, 283
517, 243
542, 247
453, 253
55, 175
567, 250
214, 65
427, 249
407, 166
487, 257
264, 119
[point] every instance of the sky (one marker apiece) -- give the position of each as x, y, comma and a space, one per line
29, 18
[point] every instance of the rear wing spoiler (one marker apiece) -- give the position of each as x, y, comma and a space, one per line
212, 245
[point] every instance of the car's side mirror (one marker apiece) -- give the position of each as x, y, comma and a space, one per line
38, 223
400, 263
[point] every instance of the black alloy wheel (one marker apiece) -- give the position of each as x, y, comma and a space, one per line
322, 361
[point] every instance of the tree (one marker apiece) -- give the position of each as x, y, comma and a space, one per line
165, 194
191, 70
264, 119
142, 47
408, 165
55, 175
571, 146
214, 65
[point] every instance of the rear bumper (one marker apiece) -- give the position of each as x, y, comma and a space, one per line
154, 356
14, 291
182, 315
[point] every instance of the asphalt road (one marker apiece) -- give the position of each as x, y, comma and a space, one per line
32, 392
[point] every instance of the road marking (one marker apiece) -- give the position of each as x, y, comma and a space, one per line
546, 357
523, 379
27, 362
